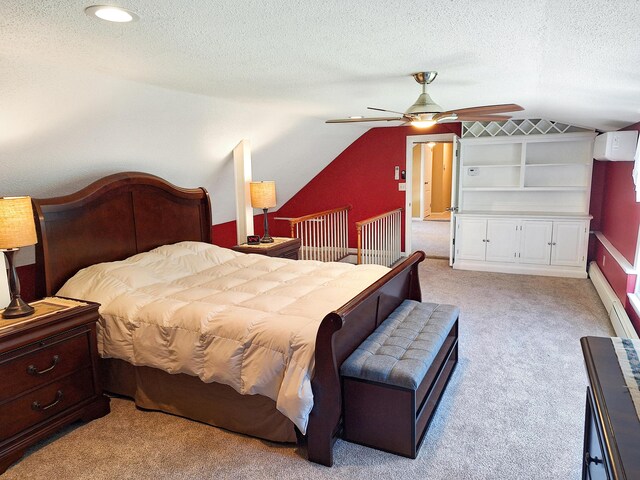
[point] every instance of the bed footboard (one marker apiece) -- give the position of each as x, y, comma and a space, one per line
339, 335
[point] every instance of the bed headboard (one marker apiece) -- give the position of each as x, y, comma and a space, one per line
111, 219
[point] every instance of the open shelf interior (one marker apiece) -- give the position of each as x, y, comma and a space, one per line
497, 176
494, 154
571, 152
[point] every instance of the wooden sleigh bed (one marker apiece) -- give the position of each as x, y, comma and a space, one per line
128, 213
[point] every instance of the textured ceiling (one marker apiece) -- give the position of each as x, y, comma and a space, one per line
575, 61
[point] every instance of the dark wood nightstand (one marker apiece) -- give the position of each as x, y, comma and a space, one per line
48, 374
281, 247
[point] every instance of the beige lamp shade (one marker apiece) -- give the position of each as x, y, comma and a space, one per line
17, 228
263, 194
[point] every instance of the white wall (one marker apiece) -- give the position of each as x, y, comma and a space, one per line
62, 128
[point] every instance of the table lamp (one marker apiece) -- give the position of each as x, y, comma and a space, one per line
17, 229
263, 195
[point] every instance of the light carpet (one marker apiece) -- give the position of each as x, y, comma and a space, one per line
513, 409
431, 237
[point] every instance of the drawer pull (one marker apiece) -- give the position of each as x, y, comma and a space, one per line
589, 459
32, 370
36, 405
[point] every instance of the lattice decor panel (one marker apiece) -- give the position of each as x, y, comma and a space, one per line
508, 128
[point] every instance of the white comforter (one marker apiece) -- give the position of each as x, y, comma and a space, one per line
248, 321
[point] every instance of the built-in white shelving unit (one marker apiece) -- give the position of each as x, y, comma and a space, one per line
545, 173
521, 194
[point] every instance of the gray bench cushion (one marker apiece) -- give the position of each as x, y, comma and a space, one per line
402, 348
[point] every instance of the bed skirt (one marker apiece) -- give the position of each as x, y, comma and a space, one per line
187, 396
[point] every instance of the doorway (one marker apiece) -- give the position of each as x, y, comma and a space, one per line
431, 182
430, 177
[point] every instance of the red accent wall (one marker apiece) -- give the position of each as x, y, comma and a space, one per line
616, 277
617, 215
361, 176
620, 212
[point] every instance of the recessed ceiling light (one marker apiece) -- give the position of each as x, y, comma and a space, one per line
111, 13
355, 117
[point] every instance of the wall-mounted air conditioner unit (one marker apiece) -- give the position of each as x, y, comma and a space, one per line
616, 146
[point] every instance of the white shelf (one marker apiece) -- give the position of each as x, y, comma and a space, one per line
484, 165
491, 189
575, 164
555, 188
525, 189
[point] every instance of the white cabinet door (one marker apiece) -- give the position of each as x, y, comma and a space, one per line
502, 240
535, 242
568, 243
471, 238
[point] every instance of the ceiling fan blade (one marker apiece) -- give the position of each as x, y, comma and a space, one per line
371, 119
483, 118
384, 110
484, 110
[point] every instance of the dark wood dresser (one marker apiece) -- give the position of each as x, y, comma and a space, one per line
281, 247
612, 428
48, 374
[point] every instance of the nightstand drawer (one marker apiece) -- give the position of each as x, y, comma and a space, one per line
38, 405
43, 362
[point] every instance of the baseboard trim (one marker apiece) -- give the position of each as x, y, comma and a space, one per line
520, 269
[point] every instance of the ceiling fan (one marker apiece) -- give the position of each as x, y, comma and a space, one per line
425, 112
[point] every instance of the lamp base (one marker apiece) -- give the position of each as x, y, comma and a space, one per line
266, 239
17, 308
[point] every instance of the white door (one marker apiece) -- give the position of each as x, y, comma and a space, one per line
455, 149
502, 240
535, 242
568, 243
471, 238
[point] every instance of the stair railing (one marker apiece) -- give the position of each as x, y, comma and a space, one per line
324, 235
379, 238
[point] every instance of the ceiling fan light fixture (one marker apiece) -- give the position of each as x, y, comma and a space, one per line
110, 13
423, 120
423, 123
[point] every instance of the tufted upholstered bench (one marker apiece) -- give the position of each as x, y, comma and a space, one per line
393, 381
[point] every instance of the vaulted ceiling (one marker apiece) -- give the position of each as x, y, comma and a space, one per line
572, 61
296, 63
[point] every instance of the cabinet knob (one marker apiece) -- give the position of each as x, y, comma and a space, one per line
483, 240
488, 240
548, 243
553, 243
